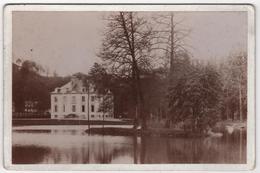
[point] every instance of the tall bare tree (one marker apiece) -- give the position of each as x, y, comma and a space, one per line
169, 39
234, 74
126, 52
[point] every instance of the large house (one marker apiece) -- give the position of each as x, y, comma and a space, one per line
74, 100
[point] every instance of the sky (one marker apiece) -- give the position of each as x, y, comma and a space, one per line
68, 42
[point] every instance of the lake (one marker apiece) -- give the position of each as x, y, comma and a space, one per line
72, 145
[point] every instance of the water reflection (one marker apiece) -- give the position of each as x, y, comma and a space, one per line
29, 154
75, 146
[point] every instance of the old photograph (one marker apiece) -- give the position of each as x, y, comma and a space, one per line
130, 86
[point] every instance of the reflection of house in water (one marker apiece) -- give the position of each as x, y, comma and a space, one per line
74, 100
94, 150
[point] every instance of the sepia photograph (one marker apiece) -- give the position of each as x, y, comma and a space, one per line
129, 85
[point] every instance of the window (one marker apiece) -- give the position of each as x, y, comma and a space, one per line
83, 98
73, 108
64, 98
83, 108
55, 108
92, 116
83, 89
55, 99
58, 90
73, 100
63, 108
92, 98
92, 108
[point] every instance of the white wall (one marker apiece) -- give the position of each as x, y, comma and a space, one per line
78, 103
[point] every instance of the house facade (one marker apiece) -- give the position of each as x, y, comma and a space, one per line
74, 100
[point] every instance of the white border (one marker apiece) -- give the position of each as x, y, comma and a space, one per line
8, 86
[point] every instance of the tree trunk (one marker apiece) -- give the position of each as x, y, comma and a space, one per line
227, 108
135, 69
172, 57
136, 117
141, 99
240, 102
172, 45
103, 119
135, 99
88, 108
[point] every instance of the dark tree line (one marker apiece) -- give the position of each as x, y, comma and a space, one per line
29, 85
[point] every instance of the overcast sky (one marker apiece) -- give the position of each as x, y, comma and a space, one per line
68, 42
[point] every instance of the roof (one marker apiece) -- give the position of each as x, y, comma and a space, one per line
74, 86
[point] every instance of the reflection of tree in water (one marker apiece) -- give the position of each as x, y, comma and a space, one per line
168, 150
105, 153
184, 151
89, 152
172, 150
150, 150
228, 149
135, 150
142, 150
85, 156
28, 154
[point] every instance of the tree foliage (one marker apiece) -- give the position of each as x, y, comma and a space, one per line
196, 96
107, 104
120, 88
234, 76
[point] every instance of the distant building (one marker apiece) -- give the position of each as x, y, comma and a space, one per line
74, 100
30, 106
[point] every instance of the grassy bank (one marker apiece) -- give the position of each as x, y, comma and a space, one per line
219, 129
115, 131
234, 125
24, 122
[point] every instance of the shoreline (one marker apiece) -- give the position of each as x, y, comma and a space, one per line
118, 131
112, 127
30, 122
